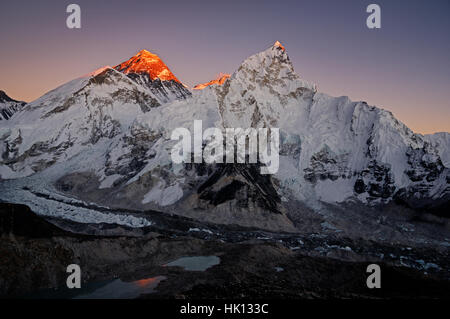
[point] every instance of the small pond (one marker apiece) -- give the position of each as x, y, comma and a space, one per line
195, 263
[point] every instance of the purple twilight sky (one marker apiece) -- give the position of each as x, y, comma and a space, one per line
403, 67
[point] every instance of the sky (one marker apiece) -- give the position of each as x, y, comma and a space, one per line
403, 67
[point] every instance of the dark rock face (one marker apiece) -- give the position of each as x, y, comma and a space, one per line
412, 198
19, 220
9, 106
360, 187
5, 98
242, 182
11, 157
137, 142
326, 165
424, 167
376, 180
427, 172
163, 90
7, 112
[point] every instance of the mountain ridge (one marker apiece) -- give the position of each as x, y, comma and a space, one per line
148, 70
115, 150
9, 106
219, 80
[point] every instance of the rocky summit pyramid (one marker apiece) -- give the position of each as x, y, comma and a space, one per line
150, 71
105, 139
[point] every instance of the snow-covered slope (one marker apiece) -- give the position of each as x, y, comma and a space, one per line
8, 106
106, 139
69, 119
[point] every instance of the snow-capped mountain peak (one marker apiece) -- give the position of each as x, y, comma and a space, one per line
145, 62
220, 80
148, 70
278, 44
262, 89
